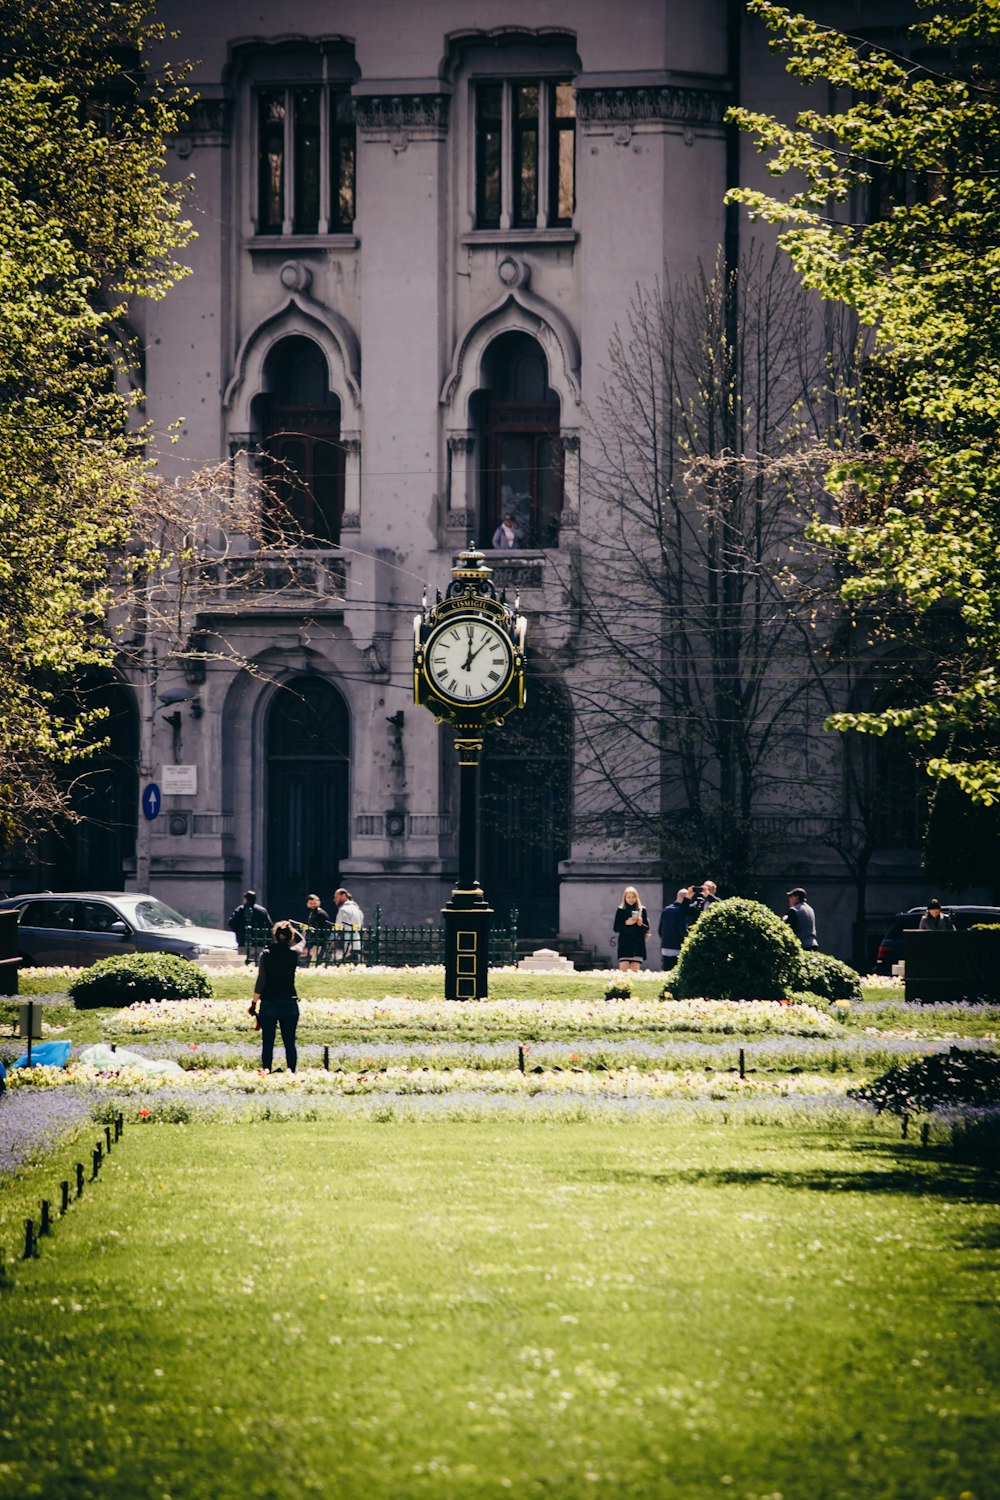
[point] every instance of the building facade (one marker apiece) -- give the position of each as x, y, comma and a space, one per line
418, 226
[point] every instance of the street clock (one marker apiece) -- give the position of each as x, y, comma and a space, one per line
468, 660
468, 669
468, 651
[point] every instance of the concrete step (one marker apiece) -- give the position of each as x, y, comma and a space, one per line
570, 945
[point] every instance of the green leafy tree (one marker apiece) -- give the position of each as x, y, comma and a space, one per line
88, 222
894, 212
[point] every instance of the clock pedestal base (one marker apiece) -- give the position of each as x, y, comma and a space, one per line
467, 921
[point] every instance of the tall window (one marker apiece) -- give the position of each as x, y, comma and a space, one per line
528, 125
300, 417
306, 155
519, 420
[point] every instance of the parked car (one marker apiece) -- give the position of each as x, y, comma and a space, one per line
77, 928
891, 948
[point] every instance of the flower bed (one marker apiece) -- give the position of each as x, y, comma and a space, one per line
528, 1018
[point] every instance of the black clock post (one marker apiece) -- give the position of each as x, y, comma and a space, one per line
468, 669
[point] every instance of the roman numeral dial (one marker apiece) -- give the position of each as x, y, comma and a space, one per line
469, 660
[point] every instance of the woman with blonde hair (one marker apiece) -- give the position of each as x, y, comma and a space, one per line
632, 927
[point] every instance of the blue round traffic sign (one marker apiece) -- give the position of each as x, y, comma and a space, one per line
152, 800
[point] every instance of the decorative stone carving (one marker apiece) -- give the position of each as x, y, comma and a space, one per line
460, 520
461, 442
400, 118
513, 270
350, 521
296, 276
665, 105
209, 122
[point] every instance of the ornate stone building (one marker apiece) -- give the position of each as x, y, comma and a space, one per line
417, 227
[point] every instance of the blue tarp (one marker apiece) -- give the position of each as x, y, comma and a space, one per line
45, 1055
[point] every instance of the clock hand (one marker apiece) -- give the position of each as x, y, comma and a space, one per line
475, 653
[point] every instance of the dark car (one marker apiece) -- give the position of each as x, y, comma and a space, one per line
891, 948
77, 928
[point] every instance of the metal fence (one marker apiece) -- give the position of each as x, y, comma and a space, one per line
397, 947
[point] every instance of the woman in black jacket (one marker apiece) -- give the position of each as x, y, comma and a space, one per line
632, 927
274, 995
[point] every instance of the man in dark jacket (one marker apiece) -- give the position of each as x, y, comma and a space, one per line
801, 918
251, 923
675, 920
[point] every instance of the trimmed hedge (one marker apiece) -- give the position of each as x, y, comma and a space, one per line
824, 975
139, 976
738, 950
960, 1076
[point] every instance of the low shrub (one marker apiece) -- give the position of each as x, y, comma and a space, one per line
738, 950
137, 977
824, 975
958, 1076
618, 990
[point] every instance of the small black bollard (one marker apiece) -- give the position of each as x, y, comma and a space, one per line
906, 1125
114, 1046
79, 1179
3, 1268
925, 1135
97, 1161
107, 1138
44, 1223
743, 1063
64, 1199
119, 1126
326, 1058
520, 1058
30, 1242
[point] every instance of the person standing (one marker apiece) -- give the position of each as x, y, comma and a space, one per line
934, 919
251, 924
675, 920
708, 894
275, 1001
348, 921
801, 918
317, 929
632, 927
508, 534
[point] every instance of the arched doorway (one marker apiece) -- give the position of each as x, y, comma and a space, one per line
517, 414
524, 810
308, 755
298, 419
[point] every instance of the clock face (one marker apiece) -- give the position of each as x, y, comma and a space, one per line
468, 661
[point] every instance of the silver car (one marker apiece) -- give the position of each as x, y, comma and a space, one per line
77, 928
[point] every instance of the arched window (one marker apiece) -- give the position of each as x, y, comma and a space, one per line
308, 759
518, 417
299, 418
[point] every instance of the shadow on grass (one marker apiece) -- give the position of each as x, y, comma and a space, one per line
906, 1171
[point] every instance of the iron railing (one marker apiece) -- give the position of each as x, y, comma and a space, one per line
396, 947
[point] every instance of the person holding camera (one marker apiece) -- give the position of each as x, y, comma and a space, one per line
275, 1002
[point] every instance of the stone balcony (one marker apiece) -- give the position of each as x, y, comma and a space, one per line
288, 580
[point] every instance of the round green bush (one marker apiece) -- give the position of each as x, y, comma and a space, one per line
828, 977
139, 976
738, 950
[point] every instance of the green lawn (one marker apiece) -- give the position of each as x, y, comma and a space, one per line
438, 1309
